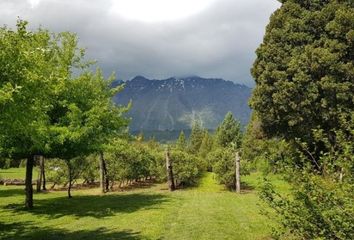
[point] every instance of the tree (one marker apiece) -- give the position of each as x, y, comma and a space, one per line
228, 139
196, 137
181, 143
32, 67
45, 108
186, 168
205, 147
88, 118
262, 153
304, 95
223, 163
229, 133
304, 73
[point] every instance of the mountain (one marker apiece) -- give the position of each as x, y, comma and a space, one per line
174, 103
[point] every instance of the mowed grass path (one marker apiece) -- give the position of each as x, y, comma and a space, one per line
204, 212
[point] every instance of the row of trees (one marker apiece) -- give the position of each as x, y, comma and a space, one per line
215, 152
129, 159
303, 118
51, 103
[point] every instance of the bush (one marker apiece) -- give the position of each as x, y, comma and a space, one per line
316, 209
186, 168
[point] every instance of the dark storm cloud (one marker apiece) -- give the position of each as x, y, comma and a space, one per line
217, 42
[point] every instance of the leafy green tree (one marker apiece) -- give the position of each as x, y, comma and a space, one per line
32, 69
133, 160
228, 133
186, 168
89, 118
50, 110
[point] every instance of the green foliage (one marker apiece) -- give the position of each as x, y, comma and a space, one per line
50, 110
30, 74
264, 154
181, 143
229, 134
304, 71
5, 163
56, 171
133, 160
206, 145
317, 208
186, 167
91, 170
196, 137
88, 117
221, 158
304, 94
223, 163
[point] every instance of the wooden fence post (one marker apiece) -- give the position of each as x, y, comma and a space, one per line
171, 182
238, 183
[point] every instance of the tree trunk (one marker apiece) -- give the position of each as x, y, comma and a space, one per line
70, 180
39, 178
105, 174
171, 182
43, 174
28, 182
102, 175
238, 183
69, 190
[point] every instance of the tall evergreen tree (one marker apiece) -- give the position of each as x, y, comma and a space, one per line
206, 145
304, 71
304, 93
196, 137
229, 132
181, 143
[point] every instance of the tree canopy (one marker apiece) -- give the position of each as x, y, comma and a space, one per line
304, 70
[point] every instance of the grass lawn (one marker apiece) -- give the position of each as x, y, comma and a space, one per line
203, 212
16, 173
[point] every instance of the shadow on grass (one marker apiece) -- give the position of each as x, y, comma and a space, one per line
11, 192
27, 230
92, 206
246, 188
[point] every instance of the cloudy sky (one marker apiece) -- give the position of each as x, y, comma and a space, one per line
156, 38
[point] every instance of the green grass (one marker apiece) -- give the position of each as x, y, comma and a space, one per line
15, 173
203, 212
